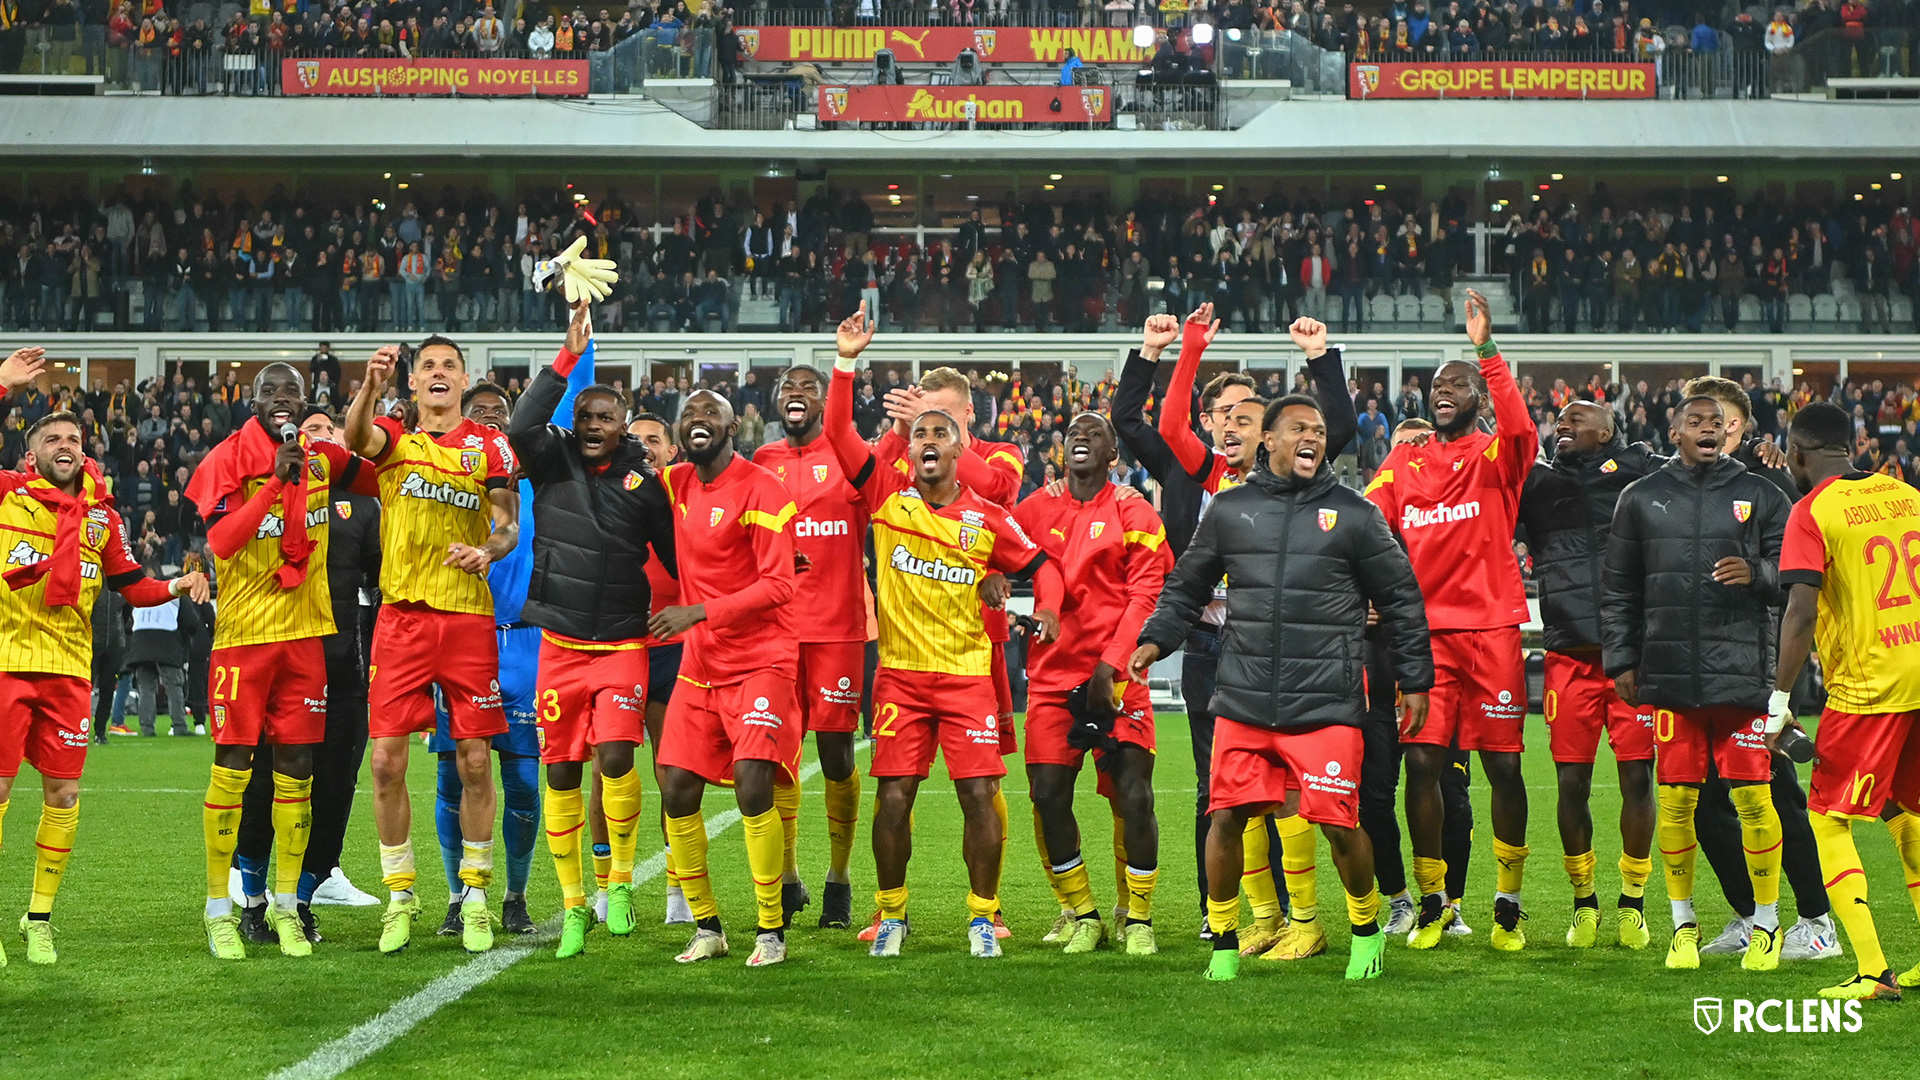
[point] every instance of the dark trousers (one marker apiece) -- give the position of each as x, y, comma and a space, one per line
106, 680
1718, 826
1380, 816
1199, 665
336, 770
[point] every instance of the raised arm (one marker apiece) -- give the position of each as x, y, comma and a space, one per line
364, 437
1514, 423
1328, 378
1176, 411
1130, 402
857, 460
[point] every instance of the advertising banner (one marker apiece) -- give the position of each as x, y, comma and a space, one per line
1501, 78
939, 44
949, 104
439, 77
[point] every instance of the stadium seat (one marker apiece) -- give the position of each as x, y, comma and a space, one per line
1825, 308
1799, 308
1901, 310
1406, 309
1849, 314
1844, 290
1750, 309
1380, 310
1433, 309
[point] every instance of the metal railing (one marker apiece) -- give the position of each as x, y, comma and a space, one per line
1060, 13
1282, 54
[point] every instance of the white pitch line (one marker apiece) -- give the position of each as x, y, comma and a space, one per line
336, 1057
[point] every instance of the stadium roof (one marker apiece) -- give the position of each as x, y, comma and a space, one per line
635, 127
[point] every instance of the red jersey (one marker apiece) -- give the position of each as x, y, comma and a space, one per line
830, 531
1455, 504
1206, 465
739, 563
993, 470
1113, 553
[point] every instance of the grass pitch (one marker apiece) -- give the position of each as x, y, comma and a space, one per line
135, 993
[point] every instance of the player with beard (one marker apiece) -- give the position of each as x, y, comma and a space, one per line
449, 511
600, 512
994, 471
1454, 502
1567, 510
1113, 553
829, 607
734, 718
63, 541
267, 498
1235, 421
938, 542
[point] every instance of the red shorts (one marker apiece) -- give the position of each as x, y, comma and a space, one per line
585, 697
1479, 698
832, 676
1580, 701
413, 649
1003, 700
708, 728
916, 713
277, 689
1863, 759
1254, 766
1733, 738
1048, 722
43, 718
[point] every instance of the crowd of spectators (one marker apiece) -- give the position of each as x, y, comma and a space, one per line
459, 264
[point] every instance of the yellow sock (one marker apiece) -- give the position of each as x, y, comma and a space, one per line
1430, 876
1364, 910
1046, 864
1509, 866
687, 853
476, 864
1075, 888
1580, 871
981, 907
565, 812
1256, 872
603, 872
1121, 887
786, 800
765, 848
1846, 888
1761, 836
843, 814
292, 824
1633, 875
1679, 846
396, 867
220, 821
1223, 916
1000, 811
53, 846
1904, 828
891, 902
3, 814
1296, 861
620, 798
666, 843
1140, 885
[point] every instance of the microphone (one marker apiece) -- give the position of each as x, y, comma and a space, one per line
288, 432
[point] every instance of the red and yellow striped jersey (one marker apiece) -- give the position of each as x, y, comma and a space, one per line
931, 560
1857, 539
55, 641
254, 608
433, 493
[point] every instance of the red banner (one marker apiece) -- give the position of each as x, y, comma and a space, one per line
466, 78
940, 44
1499, 79
948, 104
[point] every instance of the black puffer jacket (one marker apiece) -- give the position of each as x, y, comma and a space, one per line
1567, 510
591, 531
1302, 560
1694, 641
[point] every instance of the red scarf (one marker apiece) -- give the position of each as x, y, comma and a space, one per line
254, 449
62, 568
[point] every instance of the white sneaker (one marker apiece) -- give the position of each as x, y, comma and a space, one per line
980, 939
1400, 916
238, 893
1456, 923
199, 729
1811, 939
706, 945
339, 891
1733, 939
889, 933
600, 907
768, 948
678, 913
